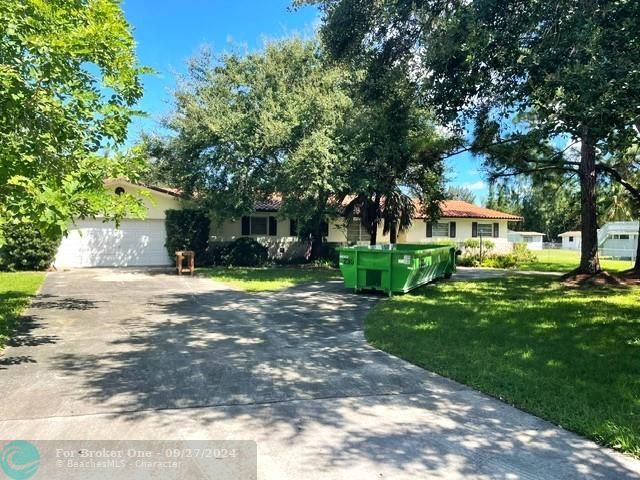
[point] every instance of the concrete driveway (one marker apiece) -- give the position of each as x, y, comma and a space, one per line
126, 354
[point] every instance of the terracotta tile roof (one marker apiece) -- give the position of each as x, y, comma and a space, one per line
269, 204
450, 209
461, 209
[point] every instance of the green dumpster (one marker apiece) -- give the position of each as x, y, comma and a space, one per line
395, 268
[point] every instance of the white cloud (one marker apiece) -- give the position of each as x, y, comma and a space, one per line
479, 185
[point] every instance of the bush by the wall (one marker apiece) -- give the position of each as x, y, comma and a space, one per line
471, 246
246, 252
187, 230
216, 254
468, 261
25, 248
243, 252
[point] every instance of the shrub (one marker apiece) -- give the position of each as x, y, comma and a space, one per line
522, 253
243, 252
25, 248
187, 230
468, 261
502, 261
472, 246
327, 254
216, 254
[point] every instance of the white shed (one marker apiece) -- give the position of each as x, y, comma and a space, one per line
532, 239
571, 240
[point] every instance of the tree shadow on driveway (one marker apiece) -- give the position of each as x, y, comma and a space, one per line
294, 368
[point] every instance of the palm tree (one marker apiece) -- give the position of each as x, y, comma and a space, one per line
397, 214
617, 204
367, 208
394, 209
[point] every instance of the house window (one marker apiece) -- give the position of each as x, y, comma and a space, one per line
356, 232
440, 229
621, 237
485, 229
571, 239
259, 226
527, 239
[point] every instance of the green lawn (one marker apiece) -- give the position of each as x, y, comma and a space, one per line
569, 355
567, 260
269, 278
16, 290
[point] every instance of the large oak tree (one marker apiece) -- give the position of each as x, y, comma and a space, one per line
289, 121
247, 127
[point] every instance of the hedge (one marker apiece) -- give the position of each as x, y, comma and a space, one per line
25, 248
187, 229
242, 252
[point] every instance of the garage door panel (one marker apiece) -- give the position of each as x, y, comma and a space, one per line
92, 243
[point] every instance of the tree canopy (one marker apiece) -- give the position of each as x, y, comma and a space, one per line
288, 121
246, 127
69, 81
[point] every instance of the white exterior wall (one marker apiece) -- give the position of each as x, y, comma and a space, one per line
94, 243
232, 229
620, 248
338, 233
156, 206
417, 233
280, 246
576, 244
610, 243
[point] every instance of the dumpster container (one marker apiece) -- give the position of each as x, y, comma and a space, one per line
395, 268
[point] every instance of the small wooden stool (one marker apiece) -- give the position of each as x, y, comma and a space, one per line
189, 256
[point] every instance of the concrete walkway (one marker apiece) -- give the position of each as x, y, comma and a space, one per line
125, 354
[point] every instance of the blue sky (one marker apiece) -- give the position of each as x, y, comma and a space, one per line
169, 32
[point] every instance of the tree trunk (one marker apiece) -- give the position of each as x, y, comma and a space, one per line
316, 246
374, 217
393, 234
636, 266
374, 235
589, 261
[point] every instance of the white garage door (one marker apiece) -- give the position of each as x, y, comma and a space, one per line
92, 243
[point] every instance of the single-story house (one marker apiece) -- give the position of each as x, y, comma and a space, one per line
459, 222
532, 239
94, 243
618, 240
571, 240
